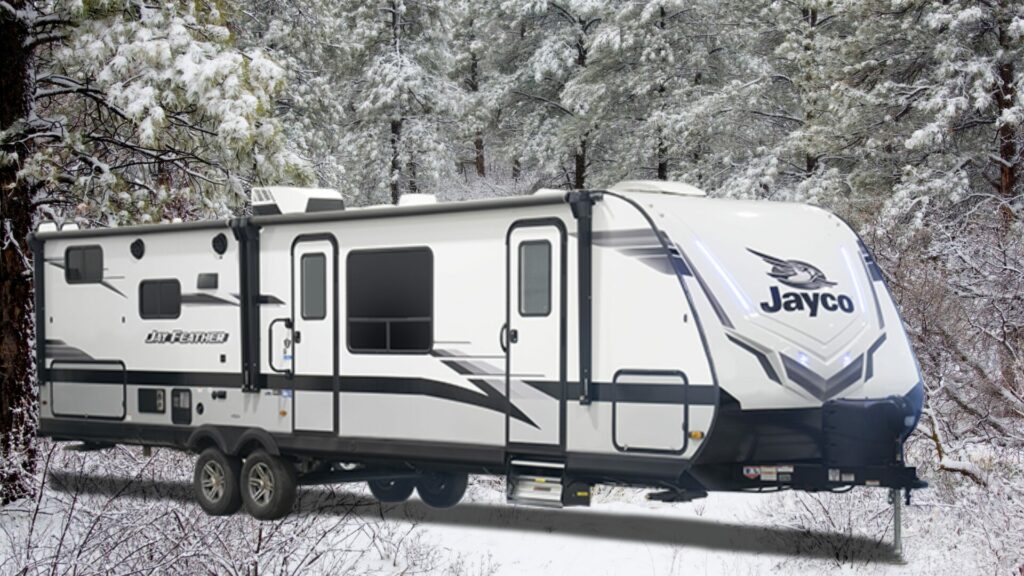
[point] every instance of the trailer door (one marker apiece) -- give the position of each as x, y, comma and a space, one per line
534, 336
315, 329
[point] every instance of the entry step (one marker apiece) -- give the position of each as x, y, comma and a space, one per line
542, 483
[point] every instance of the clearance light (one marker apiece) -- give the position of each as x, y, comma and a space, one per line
283, 413
696, 434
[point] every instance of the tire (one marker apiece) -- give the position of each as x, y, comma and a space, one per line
441, 489
395, 490
268, 486
215, 482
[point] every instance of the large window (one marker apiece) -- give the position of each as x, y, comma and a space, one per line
314, 286
535, 278
390, 295
83, 265
159, 299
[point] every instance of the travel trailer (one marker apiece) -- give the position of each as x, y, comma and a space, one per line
642, 335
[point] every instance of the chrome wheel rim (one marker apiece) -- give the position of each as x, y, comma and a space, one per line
212, 481
261, 484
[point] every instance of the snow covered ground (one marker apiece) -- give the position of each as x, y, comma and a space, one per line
120, 512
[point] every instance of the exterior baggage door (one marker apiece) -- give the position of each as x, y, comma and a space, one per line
534, 336
314, 333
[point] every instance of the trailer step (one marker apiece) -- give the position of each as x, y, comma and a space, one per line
544, 483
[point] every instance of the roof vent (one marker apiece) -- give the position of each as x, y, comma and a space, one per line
47, 226
271, 200
657, 187
416, 199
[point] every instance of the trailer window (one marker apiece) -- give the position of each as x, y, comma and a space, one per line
535, 278
83, 265
390, 296
159, 299
314, 286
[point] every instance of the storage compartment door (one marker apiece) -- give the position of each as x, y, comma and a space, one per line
649, 411
94, 389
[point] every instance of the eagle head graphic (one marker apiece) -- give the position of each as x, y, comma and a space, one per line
794, 273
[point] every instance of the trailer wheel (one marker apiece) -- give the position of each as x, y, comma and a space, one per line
215, 482
440, 489
394, 490
268, 486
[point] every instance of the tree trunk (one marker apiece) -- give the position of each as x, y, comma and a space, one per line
580, 177
17, 372
662, 148
413, 186
662, 159
1009, 155
396, 161
478, 144
474, 86
1010, 160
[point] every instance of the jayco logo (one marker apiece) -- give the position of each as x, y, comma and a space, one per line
802, 276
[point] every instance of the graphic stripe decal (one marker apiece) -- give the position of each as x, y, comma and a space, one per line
762, 358
497, 396
200, 299
60, 350
643, 245
694, 394
869, 371
58, 263
818, 386
603, 391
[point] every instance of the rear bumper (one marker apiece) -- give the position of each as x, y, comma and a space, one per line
843, 443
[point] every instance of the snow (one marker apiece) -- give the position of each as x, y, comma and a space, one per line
118, 510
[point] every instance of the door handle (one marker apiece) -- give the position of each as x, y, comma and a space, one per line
287, 322
503, 338
513, 336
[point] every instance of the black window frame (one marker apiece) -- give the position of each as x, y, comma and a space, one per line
386, 321
161, 315
550, 285
92, 279
302, 285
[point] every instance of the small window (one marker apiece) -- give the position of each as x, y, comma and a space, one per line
535, 278
83, 265
390, 295
314, 287
159, 299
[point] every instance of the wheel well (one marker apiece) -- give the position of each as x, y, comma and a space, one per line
249, 446
255, 439
203, 443
203, 439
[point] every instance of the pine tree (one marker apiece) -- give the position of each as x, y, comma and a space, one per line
551, 100
117, 112
397, 59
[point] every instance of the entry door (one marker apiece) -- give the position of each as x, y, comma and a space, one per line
534, 336
314, 333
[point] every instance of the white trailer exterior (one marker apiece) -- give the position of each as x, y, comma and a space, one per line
642, 335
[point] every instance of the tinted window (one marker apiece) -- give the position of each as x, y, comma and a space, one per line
535, 278
390, 295
83, 265
159, 299
314, 287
